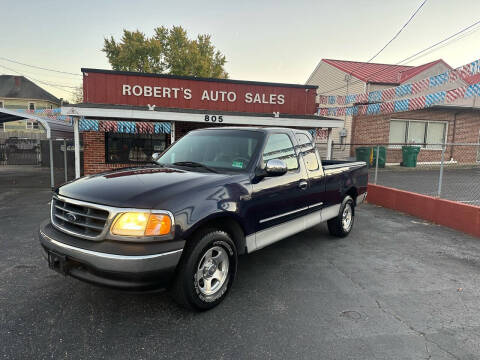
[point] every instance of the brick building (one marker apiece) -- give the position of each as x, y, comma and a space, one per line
428, 128
127, 116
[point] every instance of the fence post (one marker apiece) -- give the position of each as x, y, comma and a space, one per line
440, 179
52, 179
376, 164
65, 159
76, 139
329, 145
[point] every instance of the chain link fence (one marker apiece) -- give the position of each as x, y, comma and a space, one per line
449, 171
25, 161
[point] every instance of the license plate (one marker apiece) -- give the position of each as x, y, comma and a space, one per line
57, 262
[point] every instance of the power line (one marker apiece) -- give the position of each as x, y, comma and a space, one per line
411, 56
38, 67
56, 86
444, 44
399, 31
440, 42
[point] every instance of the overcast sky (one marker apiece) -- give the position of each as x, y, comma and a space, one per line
278, 41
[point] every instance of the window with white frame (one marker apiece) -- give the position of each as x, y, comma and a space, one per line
428, 134
31, 106
31, 125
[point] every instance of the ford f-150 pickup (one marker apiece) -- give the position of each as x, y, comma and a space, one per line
211, 196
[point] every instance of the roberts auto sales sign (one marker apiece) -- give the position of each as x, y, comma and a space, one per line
164, 91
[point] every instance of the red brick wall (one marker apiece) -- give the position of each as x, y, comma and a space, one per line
94, 154
374, 129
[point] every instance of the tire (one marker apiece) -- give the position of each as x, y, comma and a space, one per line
342, 225
206, 271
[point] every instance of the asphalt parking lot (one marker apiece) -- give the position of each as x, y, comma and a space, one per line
396, 288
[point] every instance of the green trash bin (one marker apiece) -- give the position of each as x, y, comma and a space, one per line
409, 155
382, 157
364, 154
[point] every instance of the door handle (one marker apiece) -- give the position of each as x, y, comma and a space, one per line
303, 184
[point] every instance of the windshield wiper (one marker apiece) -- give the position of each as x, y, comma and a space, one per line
194, 164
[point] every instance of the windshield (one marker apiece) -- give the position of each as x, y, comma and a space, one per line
231, 150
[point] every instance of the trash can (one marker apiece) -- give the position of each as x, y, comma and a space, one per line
364, 154
409, 155
382, 157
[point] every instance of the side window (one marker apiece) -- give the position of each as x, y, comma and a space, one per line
279, 146
307, 149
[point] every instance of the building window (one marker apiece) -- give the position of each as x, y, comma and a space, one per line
427, 134
136, 148
1, 104
31, 106
2, 127
29, 125
50, 106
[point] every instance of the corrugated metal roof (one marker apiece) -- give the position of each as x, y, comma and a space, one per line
380, 73
408, 74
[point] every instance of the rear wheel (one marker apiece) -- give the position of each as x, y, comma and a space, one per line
206, 271
341, 225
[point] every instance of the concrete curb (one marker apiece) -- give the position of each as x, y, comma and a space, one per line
455, 215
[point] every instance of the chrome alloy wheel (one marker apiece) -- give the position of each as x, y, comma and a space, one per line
347, 217
212, 270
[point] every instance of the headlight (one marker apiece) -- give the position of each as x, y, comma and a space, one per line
141, 224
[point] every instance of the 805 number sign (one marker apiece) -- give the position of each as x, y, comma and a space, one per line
214, 118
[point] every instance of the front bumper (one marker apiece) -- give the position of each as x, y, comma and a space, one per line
130, 266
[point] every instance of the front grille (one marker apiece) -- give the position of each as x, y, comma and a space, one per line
82, 220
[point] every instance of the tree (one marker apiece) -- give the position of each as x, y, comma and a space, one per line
168, 51
77, 95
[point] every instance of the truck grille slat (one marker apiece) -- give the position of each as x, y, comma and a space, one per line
82, 214
81, 220
99, 228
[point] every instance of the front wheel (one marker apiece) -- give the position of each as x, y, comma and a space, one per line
206, 271
341, 225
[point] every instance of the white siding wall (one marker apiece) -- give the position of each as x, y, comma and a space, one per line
328, 79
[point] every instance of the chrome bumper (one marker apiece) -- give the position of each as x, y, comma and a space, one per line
112, 262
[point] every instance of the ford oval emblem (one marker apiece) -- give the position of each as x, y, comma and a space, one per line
71, 217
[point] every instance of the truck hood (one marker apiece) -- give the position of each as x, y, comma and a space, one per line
143, 188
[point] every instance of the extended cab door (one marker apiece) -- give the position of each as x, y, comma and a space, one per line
315, 197
278, 200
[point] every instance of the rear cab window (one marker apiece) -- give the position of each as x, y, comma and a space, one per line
308, 151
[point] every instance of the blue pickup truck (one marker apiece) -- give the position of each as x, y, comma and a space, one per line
181, 223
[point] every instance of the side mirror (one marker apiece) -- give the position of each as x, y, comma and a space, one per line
155, 157
275, 167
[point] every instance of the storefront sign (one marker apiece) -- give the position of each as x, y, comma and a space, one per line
120, 88
207, 95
